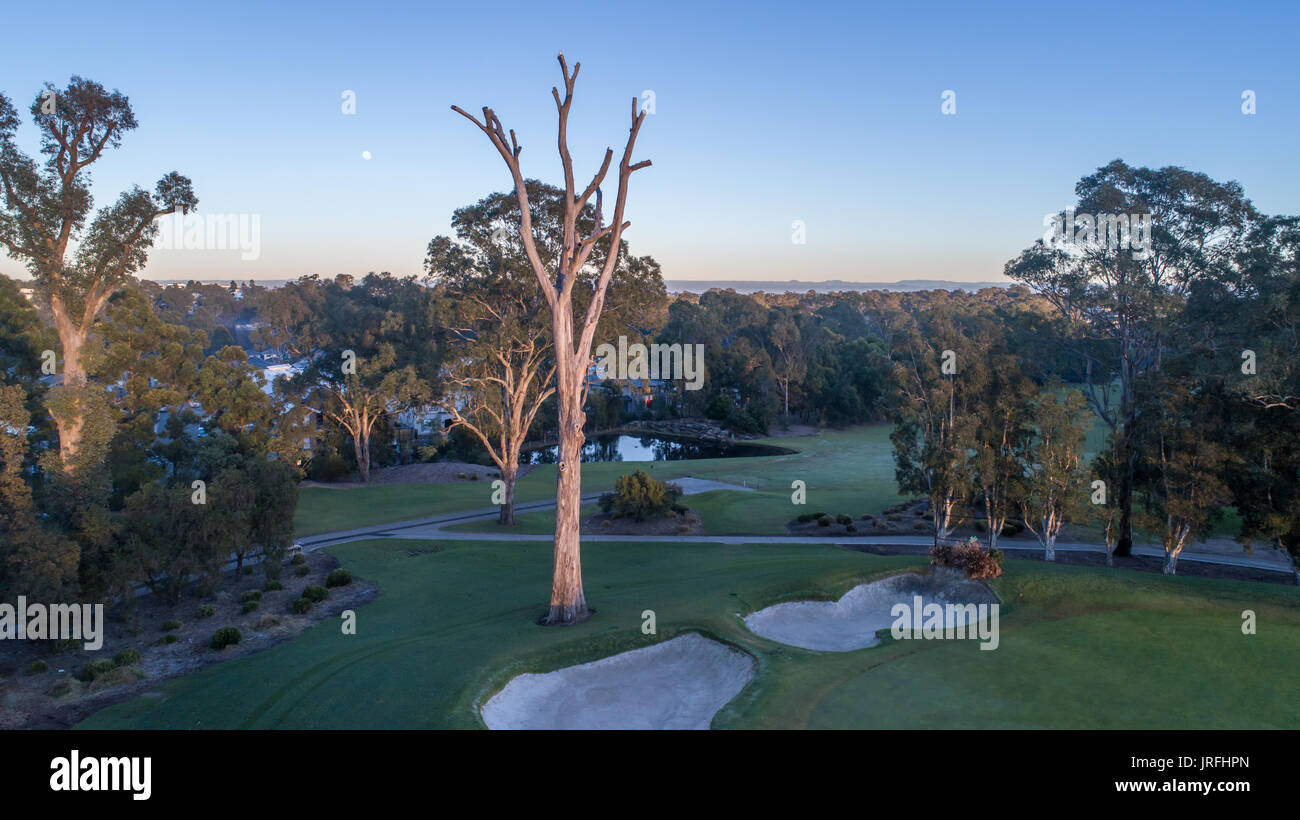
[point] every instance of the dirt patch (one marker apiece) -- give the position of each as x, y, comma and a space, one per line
56, 699
677, 684
433, 472
674, 523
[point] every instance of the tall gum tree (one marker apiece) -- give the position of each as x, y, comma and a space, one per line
47, 210
1119, 302
502, 366
573, 341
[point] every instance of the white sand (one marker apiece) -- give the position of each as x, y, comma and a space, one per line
677, 684
851, 622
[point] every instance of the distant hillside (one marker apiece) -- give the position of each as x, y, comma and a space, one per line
826, 286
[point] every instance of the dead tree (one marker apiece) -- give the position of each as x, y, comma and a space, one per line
572, 341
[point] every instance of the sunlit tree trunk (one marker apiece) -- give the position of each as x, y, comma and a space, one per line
572, 345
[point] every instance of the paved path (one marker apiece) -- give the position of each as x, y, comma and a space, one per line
432, 528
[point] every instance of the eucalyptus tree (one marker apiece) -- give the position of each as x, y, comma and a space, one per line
1053, 465
939, 374
501, 363
47, 209
1142, 239
572, 336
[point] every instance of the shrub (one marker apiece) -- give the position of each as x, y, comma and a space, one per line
207, 611
327, 464
251, 595
301, 606
638, 496
273, 586
315, 594
338, 578
302, 570
126, 657
844, 519
223, 637
1012, 528
63, 687
813, 516
298, 559
207, 589
268, 621
970, 558
248, 606
850, 528
37, 668
169, 625
824, 521
169, 639
95, 669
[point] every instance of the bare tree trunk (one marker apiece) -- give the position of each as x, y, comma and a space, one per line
361, 448
509, 472
568, 604
1171, 563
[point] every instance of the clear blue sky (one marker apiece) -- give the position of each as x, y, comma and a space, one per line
765, 113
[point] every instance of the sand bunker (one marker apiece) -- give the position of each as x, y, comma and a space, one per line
677, 684
851, 622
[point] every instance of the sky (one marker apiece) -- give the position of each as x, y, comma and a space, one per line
766, 117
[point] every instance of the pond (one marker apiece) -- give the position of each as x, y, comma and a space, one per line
622, 447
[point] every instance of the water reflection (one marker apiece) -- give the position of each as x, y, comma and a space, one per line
619, 447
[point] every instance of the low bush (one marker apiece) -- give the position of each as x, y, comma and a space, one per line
267, 621
248, 606
126, 657
169, 639
338, 578
207, 611
37, 667
970, 558
168, 626
639, 496
63, 687
251, 595
95, 669
315, 594
298, 559
302, 570
843, 519
824, 521
812, 516
223, 637
273, 586
301, 606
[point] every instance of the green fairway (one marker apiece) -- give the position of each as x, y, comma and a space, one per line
845, 471
454, 621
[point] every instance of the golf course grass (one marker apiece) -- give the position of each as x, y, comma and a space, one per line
844, 471
454, 621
